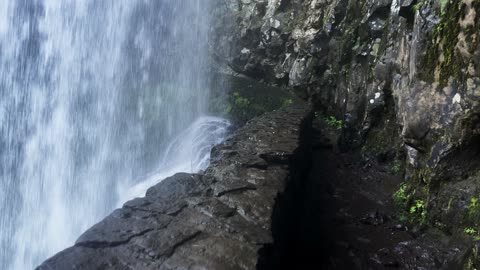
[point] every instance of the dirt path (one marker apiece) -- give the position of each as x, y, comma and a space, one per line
346, 218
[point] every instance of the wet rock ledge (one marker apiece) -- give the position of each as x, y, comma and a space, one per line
218, 219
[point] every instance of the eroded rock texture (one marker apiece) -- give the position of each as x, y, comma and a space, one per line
404, 75
218, 219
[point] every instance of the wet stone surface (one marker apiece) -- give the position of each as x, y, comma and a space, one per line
218, 219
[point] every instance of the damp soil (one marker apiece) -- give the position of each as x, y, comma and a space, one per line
342, 216
348, 207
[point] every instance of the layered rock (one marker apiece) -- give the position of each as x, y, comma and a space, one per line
404, 75
217, 219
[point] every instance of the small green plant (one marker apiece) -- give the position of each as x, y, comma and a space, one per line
470, 231
334, 122
330, 120
419, 208
415, 211
474, 210
400, 197
241, 101
239, 108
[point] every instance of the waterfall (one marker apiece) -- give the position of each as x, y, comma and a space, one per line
98, 100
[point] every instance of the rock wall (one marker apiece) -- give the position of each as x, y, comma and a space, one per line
218, 219
403, 75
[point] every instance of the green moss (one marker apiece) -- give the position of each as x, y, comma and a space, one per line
350, 24
241, 99
421, 3
240, 108
379, 143
423, 176
444, 39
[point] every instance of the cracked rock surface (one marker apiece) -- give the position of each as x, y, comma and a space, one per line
218, 219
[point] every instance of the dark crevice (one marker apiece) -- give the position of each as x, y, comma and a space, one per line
172, 211
285, 214
309, 230
176, 212
408, 12
105, 244
236, 190
262, 167
183, 241
144, 210
259, 163
284, 4
275, 158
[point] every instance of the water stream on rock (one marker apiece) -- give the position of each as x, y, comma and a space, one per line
93, 95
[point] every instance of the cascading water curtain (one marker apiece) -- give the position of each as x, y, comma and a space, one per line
91, 94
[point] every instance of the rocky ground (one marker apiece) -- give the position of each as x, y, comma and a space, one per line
217, 219
347, 218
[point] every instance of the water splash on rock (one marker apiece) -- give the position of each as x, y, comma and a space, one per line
92, 92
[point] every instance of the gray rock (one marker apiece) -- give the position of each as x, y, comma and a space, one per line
216, 220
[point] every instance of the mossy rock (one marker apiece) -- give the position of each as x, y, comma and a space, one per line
240, 99
443, 44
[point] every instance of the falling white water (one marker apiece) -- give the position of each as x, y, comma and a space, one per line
93, 95
189, 152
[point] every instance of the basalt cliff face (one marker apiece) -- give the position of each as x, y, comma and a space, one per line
402, 75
